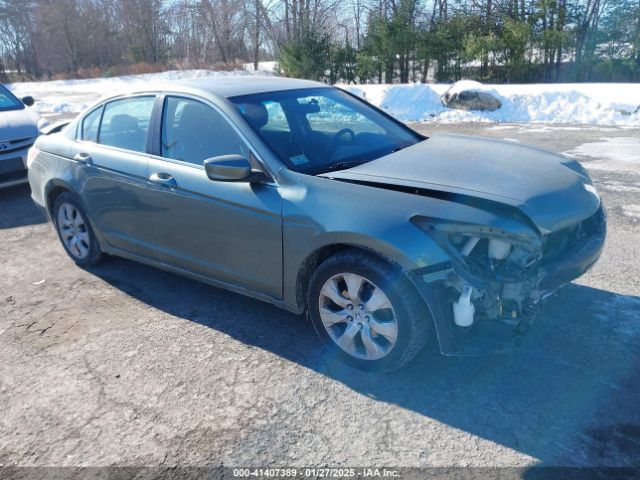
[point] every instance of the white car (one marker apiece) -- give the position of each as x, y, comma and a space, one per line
18, 131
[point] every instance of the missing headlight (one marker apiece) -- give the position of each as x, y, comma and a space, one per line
482, 254
499, 249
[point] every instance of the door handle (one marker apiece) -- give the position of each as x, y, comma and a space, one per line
82, 157
164, 179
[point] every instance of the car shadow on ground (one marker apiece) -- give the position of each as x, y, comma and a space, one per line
17, 209
567, 396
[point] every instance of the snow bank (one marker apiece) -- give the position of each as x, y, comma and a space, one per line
73, 96
587, 104
592, 104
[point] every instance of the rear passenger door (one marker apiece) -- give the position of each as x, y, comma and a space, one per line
113, 143
229, 231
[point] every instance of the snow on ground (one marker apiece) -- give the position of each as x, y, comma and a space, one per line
586, 104
618, 154
632, 211
263, 67
591, 104
620, 187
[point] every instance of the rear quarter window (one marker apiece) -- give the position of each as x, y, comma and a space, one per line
90, 126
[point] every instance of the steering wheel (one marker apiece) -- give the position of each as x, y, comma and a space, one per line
334, 141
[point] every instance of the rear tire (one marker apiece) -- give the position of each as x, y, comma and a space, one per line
367, 312
74, 230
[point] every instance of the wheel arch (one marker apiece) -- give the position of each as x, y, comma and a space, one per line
53, 190
382, 272
317, 256
57, 187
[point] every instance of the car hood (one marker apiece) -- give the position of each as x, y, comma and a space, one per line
18, 124
552, 190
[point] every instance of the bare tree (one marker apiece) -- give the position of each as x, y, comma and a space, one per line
16, 37
143, 24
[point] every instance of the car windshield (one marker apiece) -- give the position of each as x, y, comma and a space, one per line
8, 101
322, 129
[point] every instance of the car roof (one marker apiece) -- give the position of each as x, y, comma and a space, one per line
227, 86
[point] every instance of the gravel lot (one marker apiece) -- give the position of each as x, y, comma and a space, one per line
126, 365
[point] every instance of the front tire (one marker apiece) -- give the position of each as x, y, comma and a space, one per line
367, 311
74, 230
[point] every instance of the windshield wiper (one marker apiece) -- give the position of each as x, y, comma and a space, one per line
340, 166
397, 149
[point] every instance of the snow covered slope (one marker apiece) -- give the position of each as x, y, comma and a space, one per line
587, 103
594, 104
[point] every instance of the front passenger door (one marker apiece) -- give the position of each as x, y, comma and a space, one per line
229, 231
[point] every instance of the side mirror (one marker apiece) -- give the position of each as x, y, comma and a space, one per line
28, 101
231, 168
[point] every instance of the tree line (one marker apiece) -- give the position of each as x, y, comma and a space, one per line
355, 41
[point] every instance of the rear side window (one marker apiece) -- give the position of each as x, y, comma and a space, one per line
90, 126
125, 123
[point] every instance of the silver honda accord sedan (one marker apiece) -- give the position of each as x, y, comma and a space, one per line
307, 197
18, 131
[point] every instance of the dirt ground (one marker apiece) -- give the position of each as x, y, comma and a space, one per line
126, 365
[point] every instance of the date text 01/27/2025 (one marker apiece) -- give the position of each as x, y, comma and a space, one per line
314, 473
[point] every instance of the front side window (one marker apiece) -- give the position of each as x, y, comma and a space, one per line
322, 129
8, 100
90, 125
125, 123
193, 132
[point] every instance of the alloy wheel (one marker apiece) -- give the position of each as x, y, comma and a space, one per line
358, 316
73, 230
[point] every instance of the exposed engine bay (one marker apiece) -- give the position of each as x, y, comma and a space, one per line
497, 276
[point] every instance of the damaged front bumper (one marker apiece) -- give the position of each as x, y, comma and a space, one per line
505, 305
585, 246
